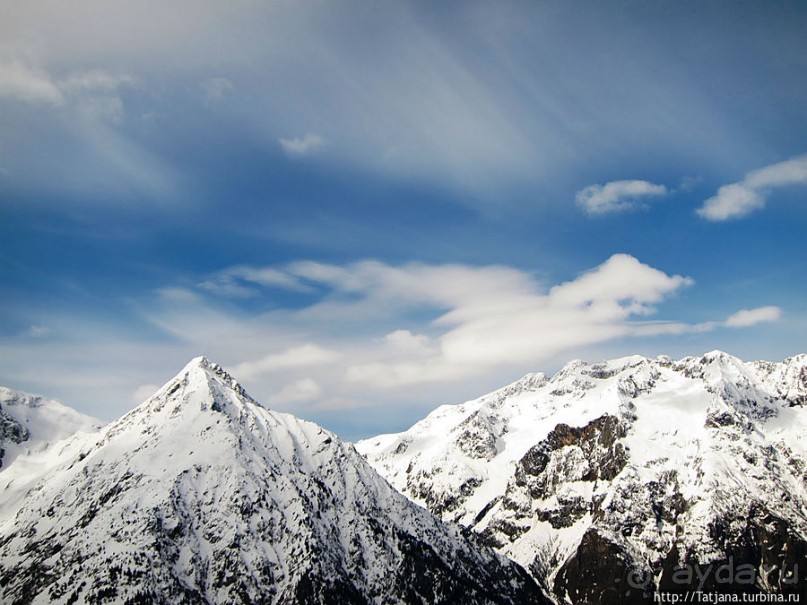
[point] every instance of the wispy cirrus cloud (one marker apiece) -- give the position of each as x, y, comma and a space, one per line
302, 356
465, 106
303, 390
245, 282
618, 196
89, 156
216, 89
37, 331
745, 318
737, 200
24, 83
304, 145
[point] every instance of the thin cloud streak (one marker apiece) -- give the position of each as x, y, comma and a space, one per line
751, 317
301, 146
303, 356
244, 281
395, 93
18, 81
737, 200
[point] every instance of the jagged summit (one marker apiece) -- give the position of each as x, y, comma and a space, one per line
200, 495
204, 364
200, 361
622, 466
201, 386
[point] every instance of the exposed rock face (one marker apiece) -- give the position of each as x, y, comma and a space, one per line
200, 495
588, 576
614, 481
11, 431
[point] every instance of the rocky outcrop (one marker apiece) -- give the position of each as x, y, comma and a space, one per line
611, 482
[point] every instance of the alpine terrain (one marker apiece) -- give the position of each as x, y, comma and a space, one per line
618, 482
200, 495
35, 435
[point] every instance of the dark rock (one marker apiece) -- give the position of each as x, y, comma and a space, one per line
602, 572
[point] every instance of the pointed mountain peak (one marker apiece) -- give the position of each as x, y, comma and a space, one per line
200, 386
199, 362
200, 495
206, 366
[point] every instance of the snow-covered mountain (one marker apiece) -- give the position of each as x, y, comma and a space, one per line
200, 495
35, 435
613, 481
30, 424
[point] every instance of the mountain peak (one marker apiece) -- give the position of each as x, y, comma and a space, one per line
199, 362
200, 495
205, 365
718, 355
199, 387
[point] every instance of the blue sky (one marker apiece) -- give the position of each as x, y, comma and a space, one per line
364, 210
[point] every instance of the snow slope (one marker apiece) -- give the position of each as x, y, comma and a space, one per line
35, 435
607, 478
200, 495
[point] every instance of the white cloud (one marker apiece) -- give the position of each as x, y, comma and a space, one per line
377, 375
789, 172
751, 317
301, 391
406, 342
422, 105
86, 109
737, 200
143, 392
95, 94
732, 201
241, 281
622, 278
741, 319
482, 317
300, 146
594, 307
660, 328
462, 323
31, 84
94, 81
297, 357
24, 83
37, 331
617, 196
217, 88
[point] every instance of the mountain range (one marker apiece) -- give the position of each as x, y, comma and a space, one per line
201, 495
617, 481
614, 482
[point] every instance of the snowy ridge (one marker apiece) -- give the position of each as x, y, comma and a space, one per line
631, 466
53, 422
200, 495
36, 434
